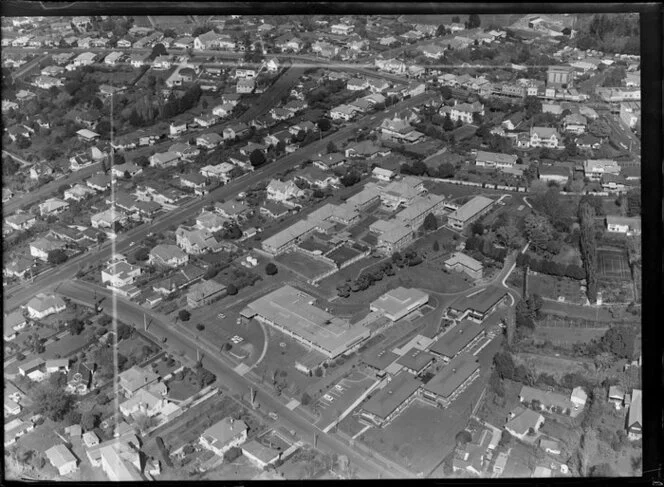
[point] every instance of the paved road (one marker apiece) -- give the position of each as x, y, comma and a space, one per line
29, 66
67, 270
159, 327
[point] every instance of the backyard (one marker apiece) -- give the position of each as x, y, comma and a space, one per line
183, 385
567, 336
555, 287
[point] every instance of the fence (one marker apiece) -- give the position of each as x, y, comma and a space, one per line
517, 189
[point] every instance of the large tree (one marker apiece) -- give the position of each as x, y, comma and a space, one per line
538, 230
588, 246
53, 403
257, 158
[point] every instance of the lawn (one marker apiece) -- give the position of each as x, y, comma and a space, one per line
282, 352
41, 438
353, 387
418, 438
555, 287
569, 310
304, 265
451, 191
136, 347
495, 410
351, 425
555, 366
567, 336
181, 390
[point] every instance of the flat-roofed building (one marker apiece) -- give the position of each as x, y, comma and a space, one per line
388, 402
451, 381
624, 224
420, 208
416, 361
479, 305
293, 312
458, 339
461, 262
470, 212
379, 360
399, 302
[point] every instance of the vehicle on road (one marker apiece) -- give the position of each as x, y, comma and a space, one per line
273, 415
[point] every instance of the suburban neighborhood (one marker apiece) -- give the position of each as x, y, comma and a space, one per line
297, 247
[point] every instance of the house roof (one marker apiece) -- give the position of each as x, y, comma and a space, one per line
59, 455
263, 453
221, 433
546, 398
544, 132
166, 252
471, 208
464, 260
136, 377
204, 289
396, 300
635, 409
522, 422
43, 302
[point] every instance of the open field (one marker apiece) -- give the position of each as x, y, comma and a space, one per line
555, 366
567, 336
555, 287
568, 310
66, 346
303, 265
282, 352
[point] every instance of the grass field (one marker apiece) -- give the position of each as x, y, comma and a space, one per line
343, 254
303, 265
133, 347
555, 366
555, 287
182, 389
353, 387
65, 347
567, 336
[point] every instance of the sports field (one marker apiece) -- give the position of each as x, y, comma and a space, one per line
613, 264
304, 265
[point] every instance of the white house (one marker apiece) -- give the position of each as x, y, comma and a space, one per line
545, 137
44, 305
62, 459
224, 435
168, 255
280, 191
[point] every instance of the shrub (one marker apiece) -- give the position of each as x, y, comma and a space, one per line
271, 269
184, 315
200, 327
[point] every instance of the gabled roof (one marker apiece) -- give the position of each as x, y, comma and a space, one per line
522, 422
221, 433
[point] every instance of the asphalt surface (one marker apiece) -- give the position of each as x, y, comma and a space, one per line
67, 270
133, 314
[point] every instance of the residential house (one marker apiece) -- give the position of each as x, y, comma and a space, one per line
21, 221
42, 247
630, 113
233, 210
108, 218
224, 110
588, 142
235, 130
43, 305
245, 86
128, 168
184, 151
465, 111
136, 378
138, 60
594, 169
524, 423
575, 123
18, 267
614, 183
318, 178
167, 255
556, 174
87, 135
143, 402
343, 112
545, 137
260, 455
623, 224
164, 159
79, 378
548, 401
220, 171
274, 210
212, 222
634, 416
196, 241
224, 435
209, 141
204, 293
282, 191
366, 149
119, 274
493, 159
461, 262
195, 181
62, 459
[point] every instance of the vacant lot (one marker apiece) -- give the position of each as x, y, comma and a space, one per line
555, 366
303, 265
567, 336
555, 287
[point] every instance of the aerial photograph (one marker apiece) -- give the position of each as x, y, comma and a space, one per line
312, 246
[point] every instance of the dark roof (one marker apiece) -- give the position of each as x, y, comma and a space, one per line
415, 359
457, 338
481, 302
385, 401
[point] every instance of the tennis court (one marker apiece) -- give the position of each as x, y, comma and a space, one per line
613, 264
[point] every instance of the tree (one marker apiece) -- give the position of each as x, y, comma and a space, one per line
53, 403
158, 50
430, 223
257, 158
436, 246
446, 170
57, 256
200, 326
89, 420
324, 124
271, 269
231, 289
504, 365
76, 326
141, 254
538, 230
352, 177
331, 147
602, 470
474, 21
142, 161
463, 437
184, 315
533, 106
509, 236
306, 399
588, 246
